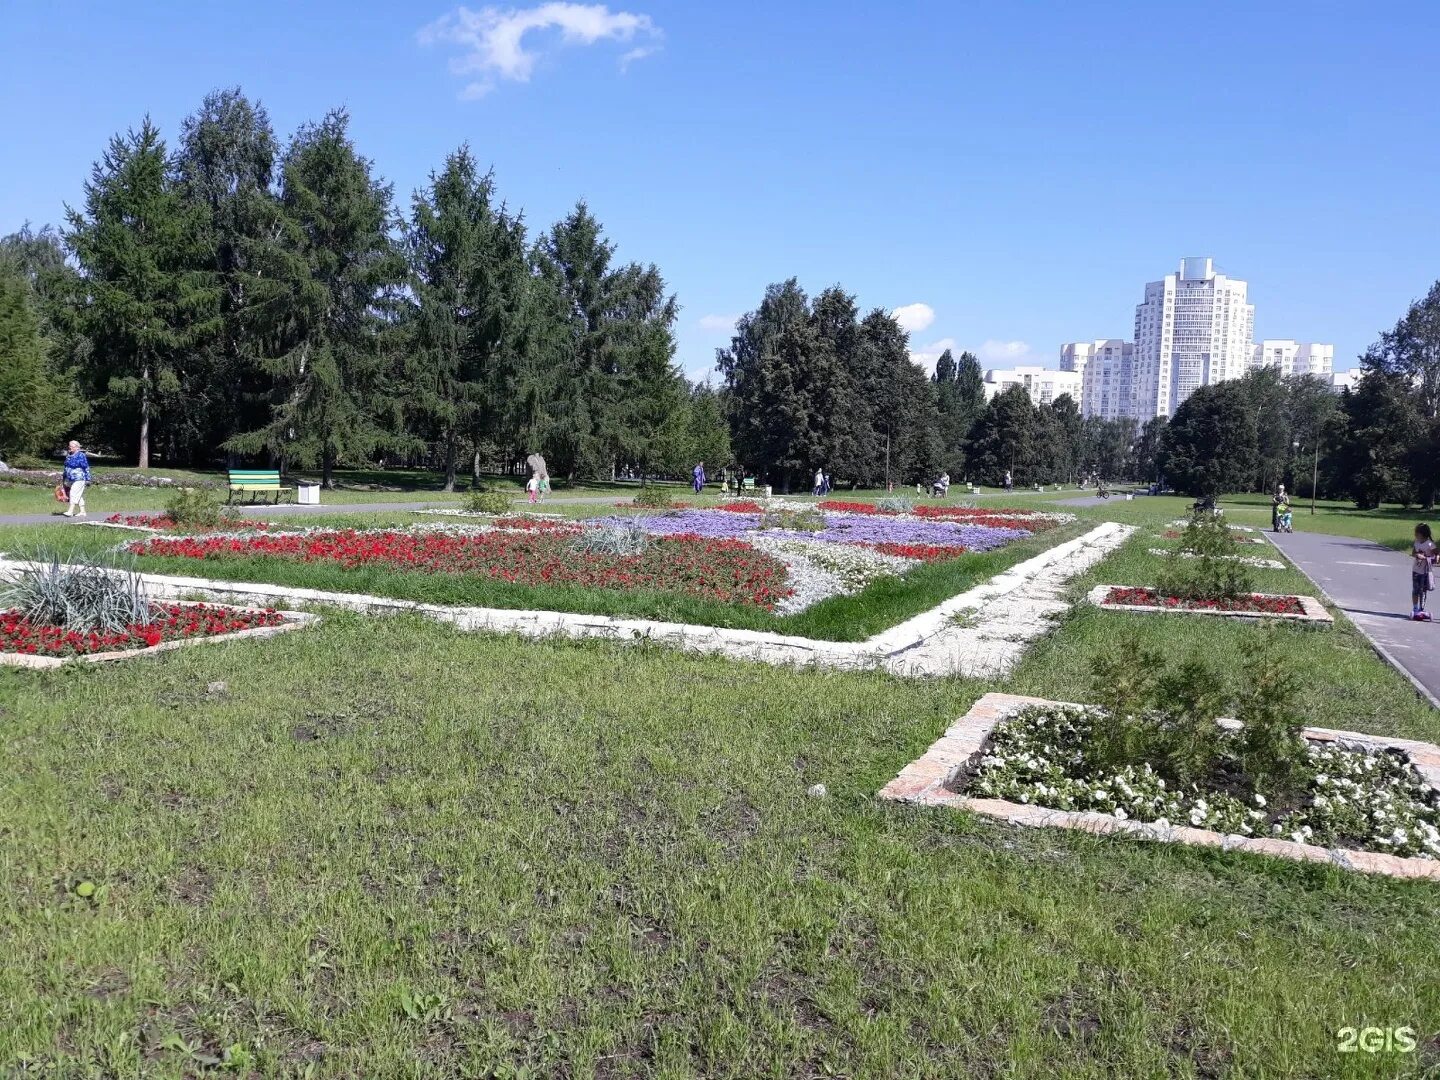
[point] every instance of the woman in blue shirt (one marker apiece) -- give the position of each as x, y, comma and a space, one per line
77, 475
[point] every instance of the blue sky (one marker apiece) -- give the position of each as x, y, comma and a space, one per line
1021, 169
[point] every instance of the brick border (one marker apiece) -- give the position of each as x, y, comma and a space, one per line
294, 620
924, 783
1315, 612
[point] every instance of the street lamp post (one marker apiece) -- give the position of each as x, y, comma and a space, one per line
1314, 472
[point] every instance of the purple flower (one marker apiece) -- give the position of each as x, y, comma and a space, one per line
711, 524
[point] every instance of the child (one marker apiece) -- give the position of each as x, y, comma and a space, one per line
532, 487
1423, 550
544, 486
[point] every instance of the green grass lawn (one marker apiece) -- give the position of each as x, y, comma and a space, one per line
388, 848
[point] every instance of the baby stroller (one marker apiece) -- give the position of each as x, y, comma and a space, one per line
1282, 519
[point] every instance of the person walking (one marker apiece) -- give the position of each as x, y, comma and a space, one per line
77, 477
1009, 481
697, 476
544, 486
819, 482
825, 485
532, 488
1423, 551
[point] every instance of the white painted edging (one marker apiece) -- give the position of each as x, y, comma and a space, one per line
926, 782
1243, 560
1315, 611
294, 620
1010, 609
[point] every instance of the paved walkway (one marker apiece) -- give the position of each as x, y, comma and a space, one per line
1371, 585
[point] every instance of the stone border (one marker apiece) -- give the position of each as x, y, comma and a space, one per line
1315, 612
1243, 560
294, 620
925, 782
927, 644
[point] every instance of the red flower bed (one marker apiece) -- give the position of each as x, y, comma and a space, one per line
1258, 605
923, 552
730, 571
164, 521
840, 506
742, 506
170, 622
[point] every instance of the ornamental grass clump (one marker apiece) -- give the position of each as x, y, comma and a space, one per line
795, 519
892, 505
1205, 567
613, 539
78, 594
200, 508
486, 501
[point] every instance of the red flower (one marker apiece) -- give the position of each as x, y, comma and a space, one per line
1252, 604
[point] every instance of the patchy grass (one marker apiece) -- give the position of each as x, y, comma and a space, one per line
404, 850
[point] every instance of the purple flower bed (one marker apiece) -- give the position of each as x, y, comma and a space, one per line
854, 529
839, 529
711, 524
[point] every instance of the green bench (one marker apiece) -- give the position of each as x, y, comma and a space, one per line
255, 481
743, 484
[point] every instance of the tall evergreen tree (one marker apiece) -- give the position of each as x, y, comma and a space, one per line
613, 375
334, 277
225, 170
768, 378
144, 303
1382, 420
903, 410
36, 405
468, 272
1007, 438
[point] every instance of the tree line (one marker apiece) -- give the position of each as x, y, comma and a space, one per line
233, 299
1376, 442
812, 383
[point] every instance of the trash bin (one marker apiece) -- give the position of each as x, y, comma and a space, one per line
307, 493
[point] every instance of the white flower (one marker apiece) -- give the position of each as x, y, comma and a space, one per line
1259, 799
1119, 812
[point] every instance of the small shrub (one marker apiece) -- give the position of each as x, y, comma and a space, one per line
484, 501
1124, 686
1188, 741
618, 539
79, 594
654, 498
199, 508
1204, 566
893, 505
1272, 751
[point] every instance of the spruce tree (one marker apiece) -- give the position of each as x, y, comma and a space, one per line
468, 273
333, 281
225, 170
36, 404
145, 304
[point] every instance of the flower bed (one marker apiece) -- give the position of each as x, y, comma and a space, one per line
1365, 803
162, 522
742, 506
173, 624
1252, 604
724, 570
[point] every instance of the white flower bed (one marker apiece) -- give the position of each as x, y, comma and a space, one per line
818, 571
1372, 800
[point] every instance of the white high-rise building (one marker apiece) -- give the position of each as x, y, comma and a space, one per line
1295, 357
1043, 384
1193, 328
1106, 370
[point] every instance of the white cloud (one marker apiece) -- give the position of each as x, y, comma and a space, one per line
926, 355
914, 317
718, 324
492, 39
995, 353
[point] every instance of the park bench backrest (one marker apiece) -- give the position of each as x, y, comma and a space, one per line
255, 479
